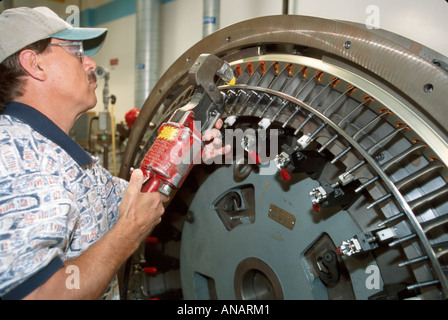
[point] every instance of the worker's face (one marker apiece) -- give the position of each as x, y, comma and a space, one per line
72, 76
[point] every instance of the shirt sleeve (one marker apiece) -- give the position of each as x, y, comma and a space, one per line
35, 281
36, 214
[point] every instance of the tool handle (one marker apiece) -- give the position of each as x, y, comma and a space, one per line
151, 185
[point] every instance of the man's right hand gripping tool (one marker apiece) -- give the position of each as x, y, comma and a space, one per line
179, 143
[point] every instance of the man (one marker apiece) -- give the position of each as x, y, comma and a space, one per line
64, 220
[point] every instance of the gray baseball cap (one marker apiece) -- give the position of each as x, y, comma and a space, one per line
20, 27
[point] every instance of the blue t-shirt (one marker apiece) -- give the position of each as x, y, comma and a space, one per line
55, 201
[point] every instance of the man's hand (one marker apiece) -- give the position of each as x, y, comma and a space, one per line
213, 146
141, 212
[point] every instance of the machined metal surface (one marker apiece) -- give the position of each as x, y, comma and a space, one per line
367, 109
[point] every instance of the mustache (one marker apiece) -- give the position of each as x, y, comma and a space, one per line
92, 77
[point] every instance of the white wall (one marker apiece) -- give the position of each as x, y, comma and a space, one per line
119, 44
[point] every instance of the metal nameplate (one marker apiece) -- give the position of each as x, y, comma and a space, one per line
281, 216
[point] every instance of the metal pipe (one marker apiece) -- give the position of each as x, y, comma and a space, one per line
297, 109
423, 285
285, 103
365, 185
413, 261
147, 57
403, 239
340, 155
285, 7
254, 108
328, 143
210, 22
244, 105
379, 201
394, 218
313, 135
308, 119
6, 4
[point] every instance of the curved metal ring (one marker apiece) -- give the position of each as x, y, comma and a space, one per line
395, 61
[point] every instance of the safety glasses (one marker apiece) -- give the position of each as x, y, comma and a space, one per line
74, 47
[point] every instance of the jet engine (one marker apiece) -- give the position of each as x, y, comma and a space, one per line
340, 188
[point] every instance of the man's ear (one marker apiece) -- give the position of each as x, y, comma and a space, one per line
30, 62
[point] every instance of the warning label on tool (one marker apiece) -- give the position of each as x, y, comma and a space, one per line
168, 133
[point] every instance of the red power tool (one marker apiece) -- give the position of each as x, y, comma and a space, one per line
179, 143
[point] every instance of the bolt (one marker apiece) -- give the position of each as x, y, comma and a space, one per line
379, 157
428, 88
189, 217
329, 256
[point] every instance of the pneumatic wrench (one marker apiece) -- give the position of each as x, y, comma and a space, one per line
179, 143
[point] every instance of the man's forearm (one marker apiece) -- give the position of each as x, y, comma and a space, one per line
96, 267
139, 213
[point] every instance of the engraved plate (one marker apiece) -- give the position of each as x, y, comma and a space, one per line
281, 216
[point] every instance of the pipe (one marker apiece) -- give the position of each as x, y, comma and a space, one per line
6, 4
210, 22
147, 56
285, 8
112, 126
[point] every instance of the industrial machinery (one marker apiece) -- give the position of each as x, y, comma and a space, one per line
180, 142
350, 202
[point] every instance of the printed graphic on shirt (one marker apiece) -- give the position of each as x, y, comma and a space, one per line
49, 205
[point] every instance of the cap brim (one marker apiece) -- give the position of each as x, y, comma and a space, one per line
93, 38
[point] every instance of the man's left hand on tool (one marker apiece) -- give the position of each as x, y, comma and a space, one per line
214, 144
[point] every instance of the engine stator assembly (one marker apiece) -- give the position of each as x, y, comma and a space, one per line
350, 200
